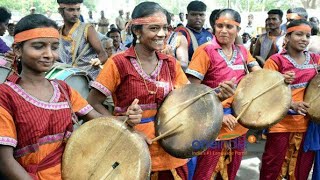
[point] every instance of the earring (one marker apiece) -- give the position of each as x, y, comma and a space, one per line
138, 39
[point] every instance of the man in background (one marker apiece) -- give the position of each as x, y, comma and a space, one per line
120, 21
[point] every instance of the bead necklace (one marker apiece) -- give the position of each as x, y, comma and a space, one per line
145, 84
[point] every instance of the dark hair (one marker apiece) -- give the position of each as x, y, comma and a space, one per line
314, 29
314, 19
33, 21
113, 30
196, 6
235, 15
144, 9
300, 11
5, 15
69, 1
276, 11
297, 23
212, 18
168, 14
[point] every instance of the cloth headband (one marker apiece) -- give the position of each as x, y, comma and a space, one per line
148, 20
227, 21
44, 32
294, 16
304, 28
62, 5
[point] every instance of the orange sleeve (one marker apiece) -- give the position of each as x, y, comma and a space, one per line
181, 78
270, 64
8, 134
199, 63
79, 105
108, 78
250, 57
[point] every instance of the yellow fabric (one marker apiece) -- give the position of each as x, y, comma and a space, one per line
289, 164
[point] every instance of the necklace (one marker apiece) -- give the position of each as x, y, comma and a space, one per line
145, 83
228, 55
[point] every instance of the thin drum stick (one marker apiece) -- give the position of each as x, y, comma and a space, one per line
263, 92
169, 132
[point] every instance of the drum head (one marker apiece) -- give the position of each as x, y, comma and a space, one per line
97, 145
4, 73
79, 83
201, 120
269, 108
312, 96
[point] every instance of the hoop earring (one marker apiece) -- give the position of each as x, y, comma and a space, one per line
138, 39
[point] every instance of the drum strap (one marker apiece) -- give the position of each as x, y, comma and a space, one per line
73, 115
243, 60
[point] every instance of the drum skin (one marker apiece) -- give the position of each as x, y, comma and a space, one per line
201, 121
312, 92
74, 77
269, 108
98, 144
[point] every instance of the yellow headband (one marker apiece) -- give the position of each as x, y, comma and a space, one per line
227, 21
44, 32
294, 16
304, 28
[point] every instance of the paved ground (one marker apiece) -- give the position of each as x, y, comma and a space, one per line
251, 162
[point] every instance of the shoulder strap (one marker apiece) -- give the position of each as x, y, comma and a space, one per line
73, 115
78, 40
179, 29
243, 60
193, 40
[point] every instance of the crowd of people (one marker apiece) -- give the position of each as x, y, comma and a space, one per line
135, 64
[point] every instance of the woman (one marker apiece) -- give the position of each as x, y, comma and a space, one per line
284, 156
211, 64
144, 73
36, 113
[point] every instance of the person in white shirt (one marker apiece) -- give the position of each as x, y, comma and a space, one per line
8, 39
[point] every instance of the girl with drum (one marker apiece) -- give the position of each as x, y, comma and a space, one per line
284, 156
211, 64
36, 114
144, 73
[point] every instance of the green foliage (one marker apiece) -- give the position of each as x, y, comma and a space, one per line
42, 6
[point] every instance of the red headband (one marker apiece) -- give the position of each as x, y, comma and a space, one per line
47, 32
304, 28
148, 20
227, 21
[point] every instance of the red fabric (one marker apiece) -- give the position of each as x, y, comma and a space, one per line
301, 76
274, 156
207, 162
29, 129
167, 175
51, 160
132, 83
219, 70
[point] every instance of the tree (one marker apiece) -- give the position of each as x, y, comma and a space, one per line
309, 4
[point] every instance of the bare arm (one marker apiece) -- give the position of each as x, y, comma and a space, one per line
193, 79
182, 52
96, 44
96, 98
10, 168
257, 46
